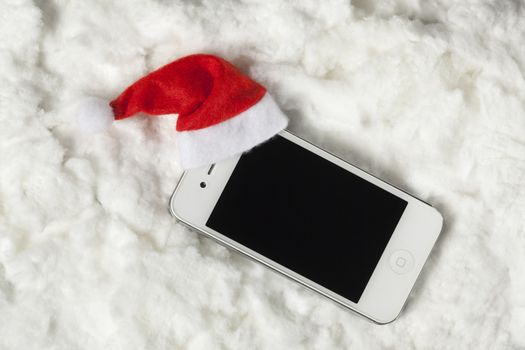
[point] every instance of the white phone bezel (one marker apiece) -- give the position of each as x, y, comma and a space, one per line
387, 290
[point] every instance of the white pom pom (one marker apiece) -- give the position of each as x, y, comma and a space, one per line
94, 115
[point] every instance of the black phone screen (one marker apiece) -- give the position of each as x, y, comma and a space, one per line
308, 214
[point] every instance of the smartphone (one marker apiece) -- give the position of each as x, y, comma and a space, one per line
316, 219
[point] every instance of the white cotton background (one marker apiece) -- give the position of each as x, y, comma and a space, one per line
429, 95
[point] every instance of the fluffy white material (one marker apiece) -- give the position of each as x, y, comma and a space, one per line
94, 115
429, 95
233, 136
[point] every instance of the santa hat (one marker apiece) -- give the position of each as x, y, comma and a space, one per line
221, 112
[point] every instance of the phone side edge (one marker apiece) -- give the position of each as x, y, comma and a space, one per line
171, 208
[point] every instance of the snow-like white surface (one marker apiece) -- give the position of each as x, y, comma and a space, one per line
427, 94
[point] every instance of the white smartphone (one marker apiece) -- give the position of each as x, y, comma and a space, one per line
316, 219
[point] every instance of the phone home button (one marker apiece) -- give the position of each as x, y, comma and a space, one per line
401, 261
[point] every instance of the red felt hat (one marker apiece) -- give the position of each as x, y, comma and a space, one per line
221, 112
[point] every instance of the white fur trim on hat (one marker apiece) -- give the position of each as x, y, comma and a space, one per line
233, 136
